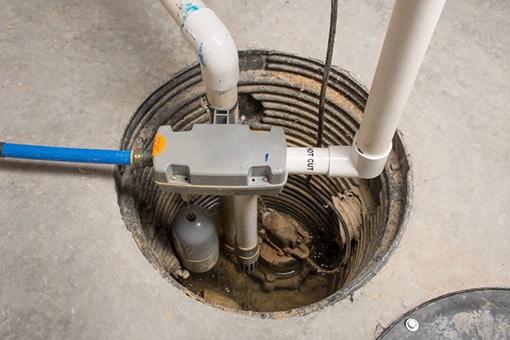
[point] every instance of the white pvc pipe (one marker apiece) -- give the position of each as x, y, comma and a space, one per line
229, 221
246, 215
410, 30
247, 240
333, 161
309, 161
179, 10
215, 49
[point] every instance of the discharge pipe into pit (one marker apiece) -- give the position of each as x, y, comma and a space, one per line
410, 30
219, 65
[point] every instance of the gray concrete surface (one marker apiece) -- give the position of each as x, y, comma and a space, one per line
73, 72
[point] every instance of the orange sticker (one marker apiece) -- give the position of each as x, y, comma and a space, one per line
159, 145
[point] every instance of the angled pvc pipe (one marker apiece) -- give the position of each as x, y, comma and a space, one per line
214, 47
410, 30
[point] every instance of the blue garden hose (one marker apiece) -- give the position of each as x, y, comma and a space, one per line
60, 154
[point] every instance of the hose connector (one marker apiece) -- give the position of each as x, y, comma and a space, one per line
141, 158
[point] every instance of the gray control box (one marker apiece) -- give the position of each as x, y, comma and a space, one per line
215, 159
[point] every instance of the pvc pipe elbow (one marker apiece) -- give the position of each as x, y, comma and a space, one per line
349, 161
336, 161
215, 49
368, 166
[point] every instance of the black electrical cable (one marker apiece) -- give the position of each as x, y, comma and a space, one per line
320, 131
327, 69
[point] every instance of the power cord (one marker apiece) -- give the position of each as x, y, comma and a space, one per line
320, 132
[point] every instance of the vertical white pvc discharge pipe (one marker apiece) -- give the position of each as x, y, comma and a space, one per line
410, 30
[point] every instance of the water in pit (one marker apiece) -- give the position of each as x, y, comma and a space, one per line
292, 285
226, 285
275, 89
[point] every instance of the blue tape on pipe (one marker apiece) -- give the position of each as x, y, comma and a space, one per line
60, 154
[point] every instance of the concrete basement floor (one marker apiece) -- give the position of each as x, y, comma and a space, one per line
72, 73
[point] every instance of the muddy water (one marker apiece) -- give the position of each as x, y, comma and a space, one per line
227, 286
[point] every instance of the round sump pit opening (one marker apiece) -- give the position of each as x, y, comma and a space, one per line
275, 89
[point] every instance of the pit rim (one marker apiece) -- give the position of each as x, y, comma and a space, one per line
125, 199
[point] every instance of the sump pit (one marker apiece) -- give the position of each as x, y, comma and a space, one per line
275, 89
